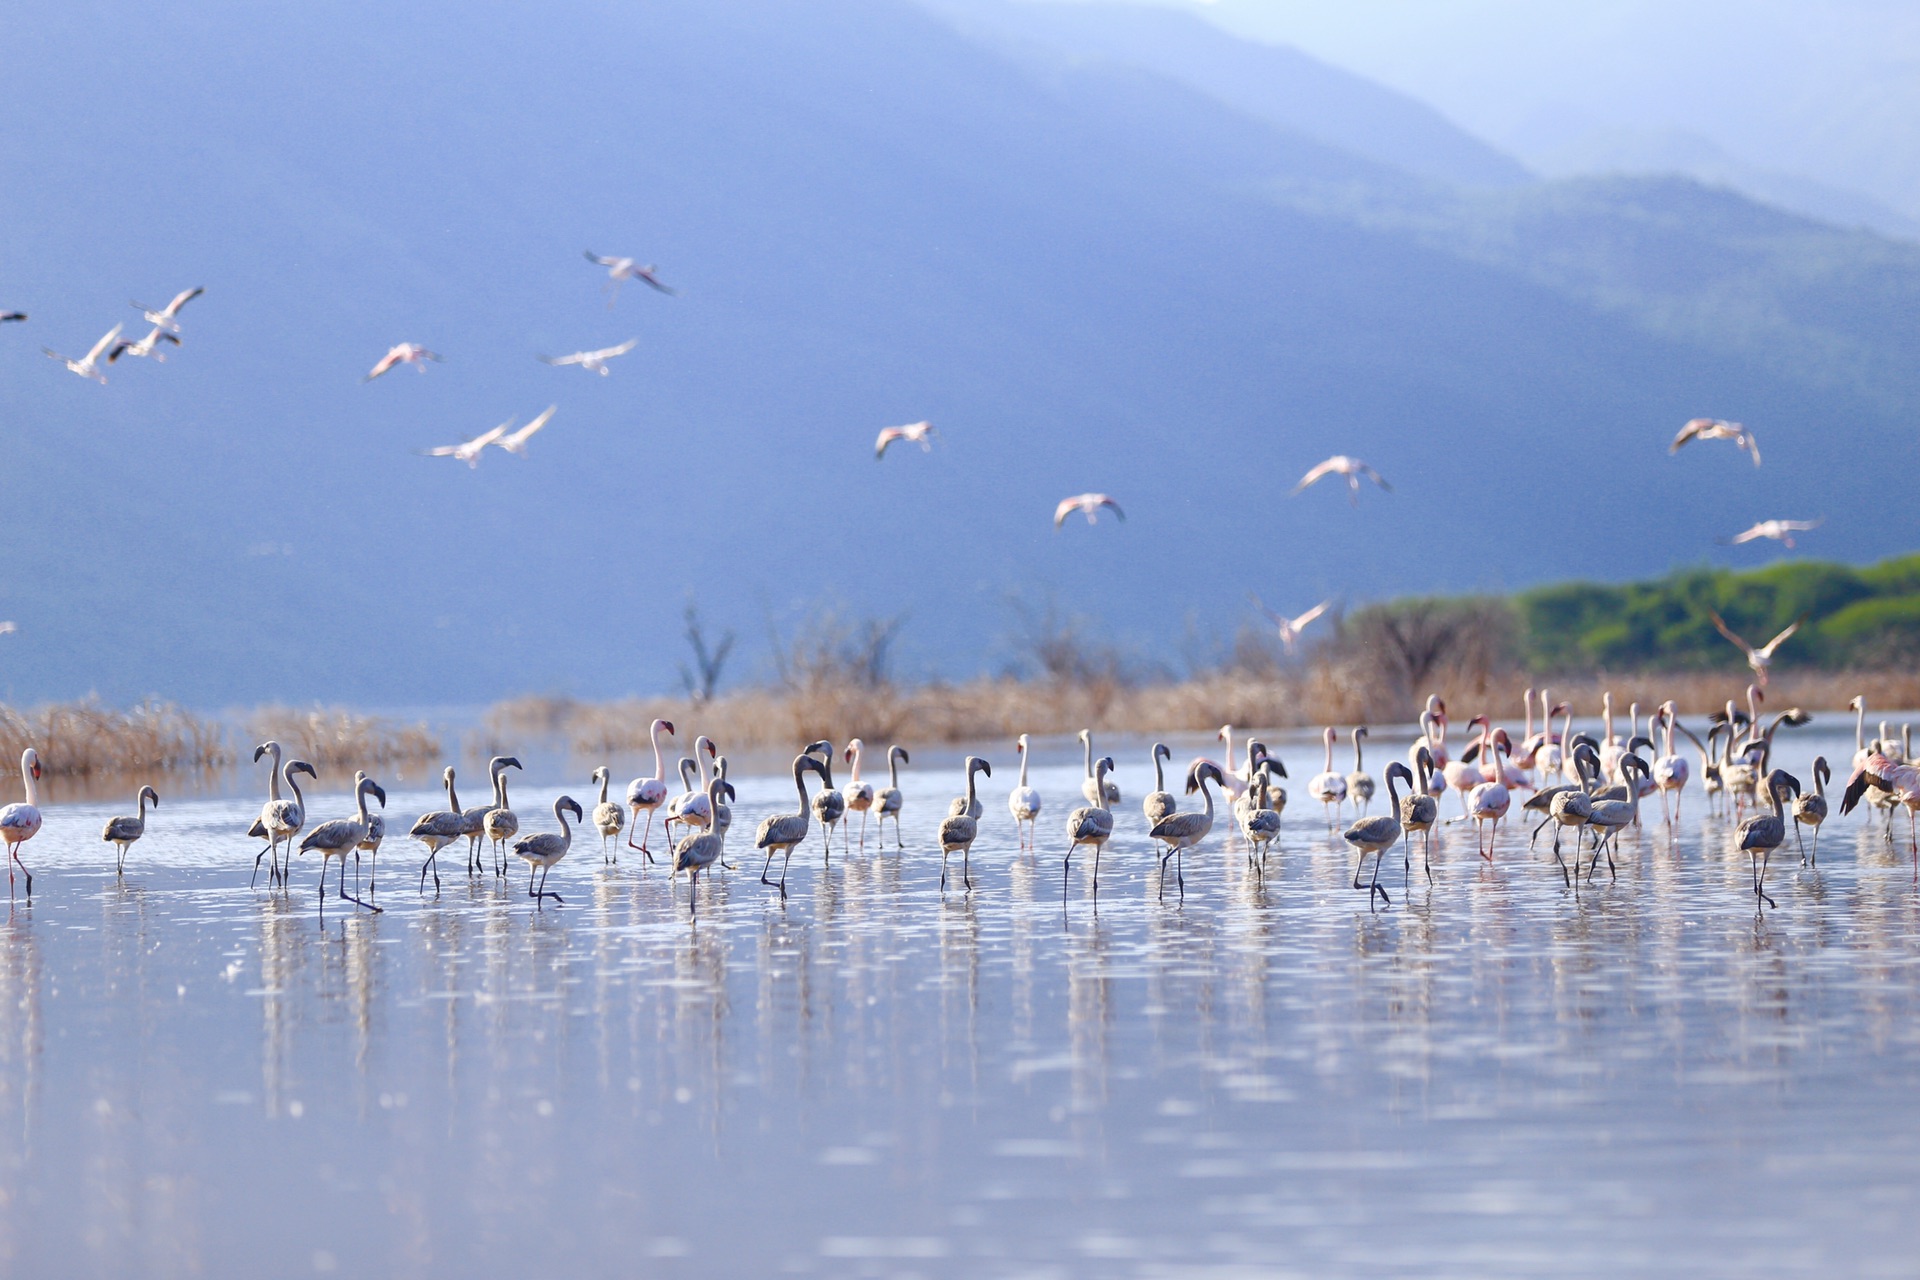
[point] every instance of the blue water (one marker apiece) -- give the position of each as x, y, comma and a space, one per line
1494, 1077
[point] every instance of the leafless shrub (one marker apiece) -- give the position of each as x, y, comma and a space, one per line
708, 661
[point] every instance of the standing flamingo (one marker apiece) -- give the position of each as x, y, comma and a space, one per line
1024, 802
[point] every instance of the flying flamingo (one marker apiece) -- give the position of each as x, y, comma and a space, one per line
88, 366
1086, 504
406, 353
1290, 628
517, 442
620, 270
5, 316
1758, 659
920, 433
1780, 531
1717, 429
469, 451
592, 361
168, 317
147, 346
1351, 468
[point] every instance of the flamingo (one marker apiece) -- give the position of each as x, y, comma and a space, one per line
920, 433
12, 316
473, 822
592, 361
1762, 833
1351, 469
1761, 658
781, 832
1328, 787
339, 838
468, 451
1463, 775
1024, 802
123, 831
1487, 802
1811, 811
1087, 504
890, 800
620, 270
88, 366
167, 318
1090, 824
1606, 818
1182, 831
859, 794
1290, 628
1669, 768
1780, 531
1418, 812
545, 849
145, 348
1717, 429
959, 830
1882, 773
1261, 823
516, 442
703, 848
608, 818
1159, 803
829, 806
1360, 782
644, 795
1377, 835
20, 822
438, 829
1104, 795
404, 353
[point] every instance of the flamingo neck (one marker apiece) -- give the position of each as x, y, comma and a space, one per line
1023, 766
659, 768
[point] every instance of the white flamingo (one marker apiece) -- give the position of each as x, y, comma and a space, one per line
592, 361
1759, 659
145, 348
405, 353
1024, 801
644, 795
1717, 429
620, 270
20, 822
1351, 469
920, 433
168, 317
88, 366
1327, 786
859, 792
1087, 504
1780, 531
468, 451
1290, 628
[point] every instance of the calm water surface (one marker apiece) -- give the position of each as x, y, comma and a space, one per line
1494, 1077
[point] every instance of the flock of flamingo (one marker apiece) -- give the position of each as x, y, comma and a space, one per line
1584, 787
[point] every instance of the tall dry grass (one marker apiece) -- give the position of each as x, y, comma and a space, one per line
1319, 694
79, 739
338, 737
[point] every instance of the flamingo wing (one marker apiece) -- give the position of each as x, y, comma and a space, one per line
887, 437
1781, 639
1751, 445
1689, 432
1319, 473
1373, 475
113, 335
180, 300
1721, 624
1311, 614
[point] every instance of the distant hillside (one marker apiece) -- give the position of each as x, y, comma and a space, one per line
1856, 618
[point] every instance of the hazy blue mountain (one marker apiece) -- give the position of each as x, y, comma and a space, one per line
1272, 83
1091, 278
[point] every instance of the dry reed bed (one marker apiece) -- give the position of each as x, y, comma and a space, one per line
78, 739
337, 737
760, 718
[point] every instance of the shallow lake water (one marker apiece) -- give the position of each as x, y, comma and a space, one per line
1493, 1076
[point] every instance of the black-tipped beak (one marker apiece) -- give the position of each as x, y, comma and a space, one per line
258, 752
668, 726
380, 791
512, 762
